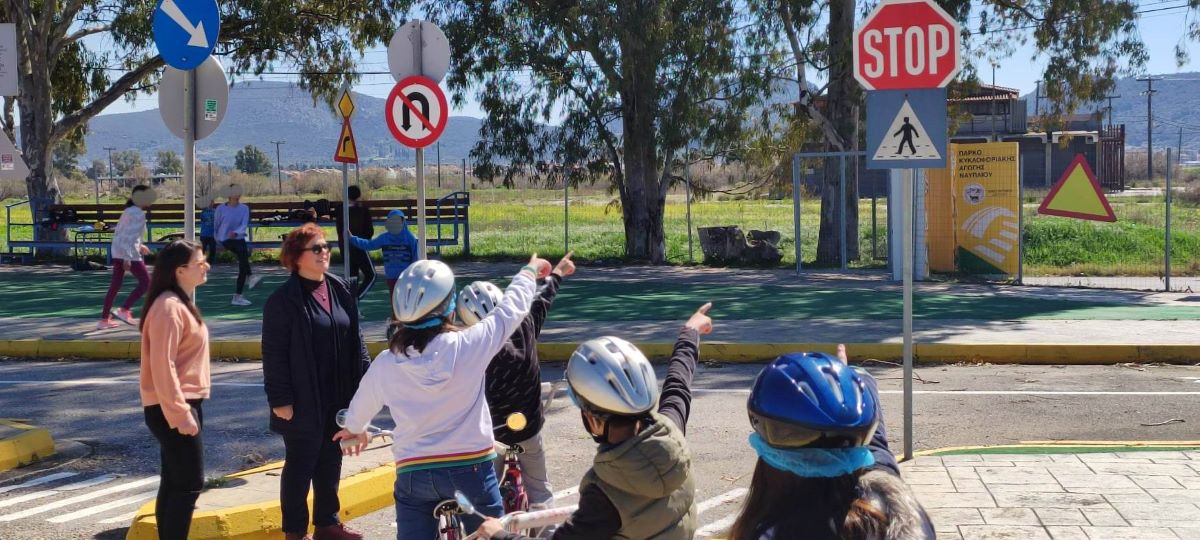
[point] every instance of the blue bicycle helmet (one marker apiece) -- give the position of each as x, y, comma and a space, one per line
812, 400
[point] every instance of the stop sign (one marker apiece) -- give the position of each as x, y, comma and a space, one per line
906, 44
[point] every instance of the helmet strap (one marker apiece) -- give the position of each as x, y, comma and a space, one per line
437, 320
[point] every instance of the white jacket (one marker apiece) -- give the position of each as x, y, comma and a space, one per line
436, 398
127, 236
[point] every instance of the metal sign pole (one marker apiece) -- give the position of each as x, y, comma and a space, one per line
344, 234
906, 208
189, 155
418, 52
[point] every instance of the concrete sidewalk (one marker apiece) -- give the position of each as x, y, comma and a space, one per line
1146, 495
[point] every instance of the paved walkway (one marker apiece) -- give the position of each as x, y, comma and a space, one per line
1103, 496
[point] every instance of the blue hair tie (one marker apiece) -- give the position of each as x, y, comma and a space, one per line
436, 321
813, 462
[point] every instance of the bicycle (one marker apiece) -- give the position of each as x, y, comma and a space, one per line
450, 525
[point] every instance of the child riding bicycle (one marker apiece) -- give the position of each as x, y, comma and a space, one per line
513, 382
431, 379
640, 484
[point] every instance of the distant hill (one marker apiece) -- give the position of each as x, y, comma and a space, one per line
1175, 105
260, 112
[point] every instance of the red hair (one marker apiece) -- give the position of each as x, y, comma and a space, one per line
295, 242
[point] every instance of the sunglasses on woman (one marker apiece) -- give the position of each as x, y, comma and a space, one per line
318, 249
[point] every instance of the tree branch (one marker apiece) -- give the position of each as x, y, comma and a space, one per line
1006, 4
64, 25
805, 98
115, 91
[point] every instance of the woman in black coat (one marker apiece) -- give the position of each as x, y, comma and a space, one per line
313, 358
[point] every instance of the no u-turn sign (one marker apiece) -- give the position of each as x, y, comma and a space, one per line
417, 111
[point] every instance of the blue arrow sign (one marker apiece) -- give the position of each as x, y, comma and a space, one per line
906, 129
185, 31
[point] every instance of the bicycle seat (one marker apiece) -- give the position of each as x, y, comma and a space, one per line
447, 507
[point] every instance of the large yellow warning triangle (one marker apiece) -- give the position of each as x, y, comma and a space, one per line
1078, 195
346, 151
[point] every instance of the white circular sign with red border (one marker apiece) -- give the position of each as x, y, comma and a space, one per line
417, 111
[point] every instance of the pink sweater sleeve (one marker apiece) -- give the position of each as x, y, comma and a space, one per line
163, 330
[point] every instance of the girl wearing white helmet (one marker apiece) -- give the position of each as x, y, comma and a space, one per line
432, 381
514, 377
640, 484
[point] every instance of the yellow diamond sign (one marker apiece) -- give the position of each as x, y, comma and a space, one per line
346, 104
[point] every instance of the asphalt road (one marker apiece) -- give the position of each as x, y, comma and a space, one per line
96, 403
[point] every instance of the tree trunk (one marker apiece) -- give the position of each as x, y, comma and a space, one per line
642, 199
842, 110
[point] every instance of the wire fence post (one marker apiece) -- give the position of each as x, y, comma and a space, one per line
796, 206
687, 186
566, 217
1167, 245
842, 202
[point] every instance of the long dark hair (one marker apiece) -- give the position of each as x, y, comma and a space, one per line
798, 507
166, 261
404, 337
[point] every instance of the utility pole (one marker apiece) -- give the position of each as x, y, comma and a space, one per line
993, 102
1037, 99
110, 170
278, 165
1110, 108
1149, 93
1179, 149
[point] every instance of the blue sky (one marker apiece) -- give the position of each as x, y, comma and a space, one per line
1161, 31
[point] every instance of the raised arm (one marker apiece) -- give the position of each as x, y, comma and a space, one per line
675, 402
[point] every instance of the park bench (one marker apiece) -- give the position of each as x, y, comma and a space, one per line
78, 220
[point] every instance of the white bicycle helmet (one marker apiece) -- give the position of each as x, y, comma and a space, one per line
423, 291
477, 300
610, 375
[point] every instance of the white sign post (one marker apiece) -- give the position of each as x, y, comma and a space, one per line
419, 48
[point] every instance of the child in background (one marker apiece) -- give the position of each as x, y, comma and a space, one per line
398, 244
208, 215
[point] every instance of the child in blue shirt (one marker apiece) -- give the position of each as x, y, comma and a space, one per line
398, 244
208, 215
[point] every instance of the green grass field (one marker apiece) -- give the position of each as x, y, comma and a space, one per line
509, 224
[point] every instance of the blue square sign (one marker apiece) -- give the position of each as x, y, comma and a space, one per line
906, 129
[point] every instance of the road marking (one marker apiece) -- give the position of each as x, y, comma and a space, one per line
101, 382
126, 518
79, 498
717, 527
566, 493
146, 495
51, 492
724, 498
39, 481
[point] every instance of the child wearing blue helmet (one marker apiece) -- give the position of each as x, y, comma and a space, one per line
824, 469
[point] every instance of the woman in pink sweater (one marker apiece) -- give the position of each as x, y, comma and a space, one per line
175, 380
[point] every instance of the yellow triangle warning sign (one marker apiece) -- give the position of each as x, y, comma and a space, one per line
1078, 195
346, 151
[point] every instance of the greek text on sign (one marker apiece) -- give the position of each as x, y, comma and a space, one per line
417, 112
907, 44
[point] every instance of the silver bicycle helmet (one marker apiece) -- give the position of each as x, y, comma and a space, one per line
422, 289
609, 375
477, 300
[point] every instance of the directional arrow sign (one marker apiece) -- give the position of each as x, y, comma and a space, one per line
417, 111
346, 151
186, 34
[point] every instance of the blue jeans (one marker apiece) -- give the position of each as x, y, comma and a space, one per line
418, 492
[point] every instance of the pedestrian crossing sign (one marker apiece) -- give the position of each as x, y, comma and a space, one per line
906, 129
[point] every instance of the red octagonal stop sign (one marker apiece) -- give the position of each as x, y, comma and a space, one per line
907, 44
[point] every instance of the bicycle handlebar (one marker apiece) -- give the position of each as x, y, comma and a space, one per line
520, 521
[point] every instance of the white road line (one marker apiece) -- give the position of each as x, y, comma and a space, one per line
58, 490
100, 382
566, 493
125, 518
38, 481
146, 495
723, 498
717, 527
79, 498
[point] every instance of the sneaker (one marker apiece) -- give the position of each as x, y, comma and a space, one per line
126, 316
239, 300
107, 324
336, 532
252, 281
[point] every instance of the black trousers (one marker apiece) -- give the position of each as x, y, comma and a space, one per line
316, 463
238, 247
210, 248
362, 268
182, 472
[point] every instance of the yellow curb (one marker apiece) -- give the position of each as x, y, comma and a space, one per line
31, 444
1075, 444
923, 353
359, 494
